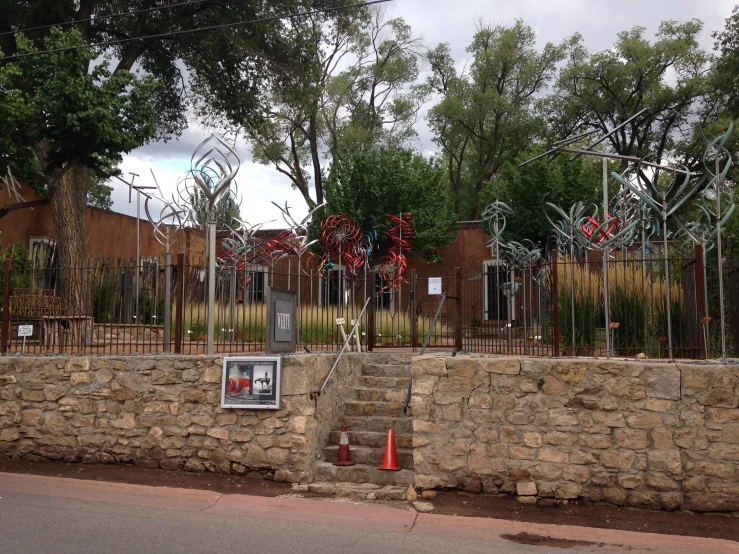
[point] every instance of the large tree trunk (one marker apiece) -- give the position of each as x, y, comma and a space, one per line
68, 196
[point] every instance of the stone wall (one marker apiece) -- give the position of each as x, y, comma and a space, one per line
651, 435
163, 412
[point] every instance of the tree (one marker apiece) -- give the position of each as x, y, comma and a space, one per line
602, 90
311, 109
65, 123
61, 161
486, 114
370, 184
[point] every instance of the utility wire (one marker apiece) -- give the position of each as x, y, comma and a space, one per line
96, 18
185, 31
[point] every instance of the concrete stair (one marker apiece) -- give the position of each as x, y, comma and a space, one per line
376, 408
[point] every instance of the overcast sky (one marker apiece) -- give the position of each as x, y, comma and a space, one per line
435, 21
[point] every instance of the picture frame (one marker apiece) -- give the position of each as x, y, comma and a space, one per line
252, 382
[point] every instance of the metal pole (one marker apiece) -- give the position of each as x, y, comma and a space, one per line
667, 276
180, 299
458, 323
5, 331
700, 301
719, 254
138, 249
211, 285
555, 304
572, 294
606, 255
167, 301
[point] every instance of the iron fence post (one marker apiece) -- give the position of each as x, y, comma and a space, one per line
167, 301
180, 303
412, 309
5, 333
371, 332
458, 312
555, 304
700, 301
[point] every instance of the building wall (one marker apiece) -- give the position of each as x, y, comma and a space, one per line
109, 234
649, 435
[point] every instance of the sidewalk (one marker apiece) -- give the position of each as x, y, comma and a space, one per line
360, 516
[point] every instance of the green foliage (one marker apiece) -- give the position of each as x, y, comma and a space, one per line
99, 195
526, 189
486, 116
226, 211
370, 184
603, 89
55, 111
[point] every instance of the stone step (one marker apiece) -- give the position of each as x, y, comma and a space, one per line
369, 455
360, 408
374, 439
379, 424
383, 382
357, 491
386, 370
381, 395
361, 473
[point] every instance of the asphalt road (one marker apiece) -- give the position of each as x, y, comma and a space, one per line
32, 524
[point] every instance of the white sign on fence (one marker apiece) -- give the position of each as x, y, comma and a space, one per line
25, 330
434, 285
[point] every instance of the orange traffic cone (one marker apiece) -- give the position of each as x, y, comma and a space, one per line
345, 457
391, 455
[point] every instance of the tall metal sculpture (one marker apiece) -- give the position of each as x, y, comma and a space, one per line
213, 169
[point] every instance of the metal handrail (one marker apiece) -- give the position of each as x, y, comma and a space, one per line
343, 348
423, 350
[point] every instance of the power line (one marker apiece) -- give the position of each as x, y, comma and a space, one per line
111, 16
185, 31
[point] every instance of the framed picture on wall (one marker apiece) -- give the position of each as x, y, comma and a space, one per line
251, 383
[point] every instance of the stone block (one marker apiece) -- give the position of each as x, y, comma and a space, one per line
532, 439
630, 388
723, 415
618, 459
213, 374
429, 365
662, 381
52, 393
552, 386
644, 420
526, 488
568, 491
728, 452
596, 441
712, 502
669, 461
609, 419
501, 366
553, 455
632, 439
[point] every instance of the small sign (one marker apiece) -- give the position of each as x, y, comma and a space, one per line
25, 330
434, 286
340, 321
281, 323
251, 383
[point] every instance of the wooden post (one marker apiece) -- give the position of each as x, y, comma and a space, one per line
371, 312
180, 300
412, 309
555, 305
700, 301
458, 312
5, 332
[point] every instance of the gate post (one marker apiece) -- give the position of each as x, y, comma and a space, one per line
555, 304
700, 301
180, 303
371, 311
458, 312
5, 332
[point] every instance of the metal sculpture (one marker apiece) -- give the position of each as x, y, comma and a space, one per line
213, 169
519, 256
394, 264
169, 222
717, 174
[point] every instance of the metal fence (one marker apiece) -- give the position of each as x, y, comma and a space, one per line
555, 308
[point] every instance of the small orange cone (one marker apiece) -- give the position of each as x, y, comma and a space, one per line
345, 457
391, 455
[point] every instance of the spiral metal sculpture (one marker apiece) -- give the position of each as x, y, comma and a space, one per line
495, 216
393, 265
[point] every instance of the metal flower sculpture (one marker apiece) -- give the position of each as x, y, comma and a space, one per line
495, 215
169, 222
394, 264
